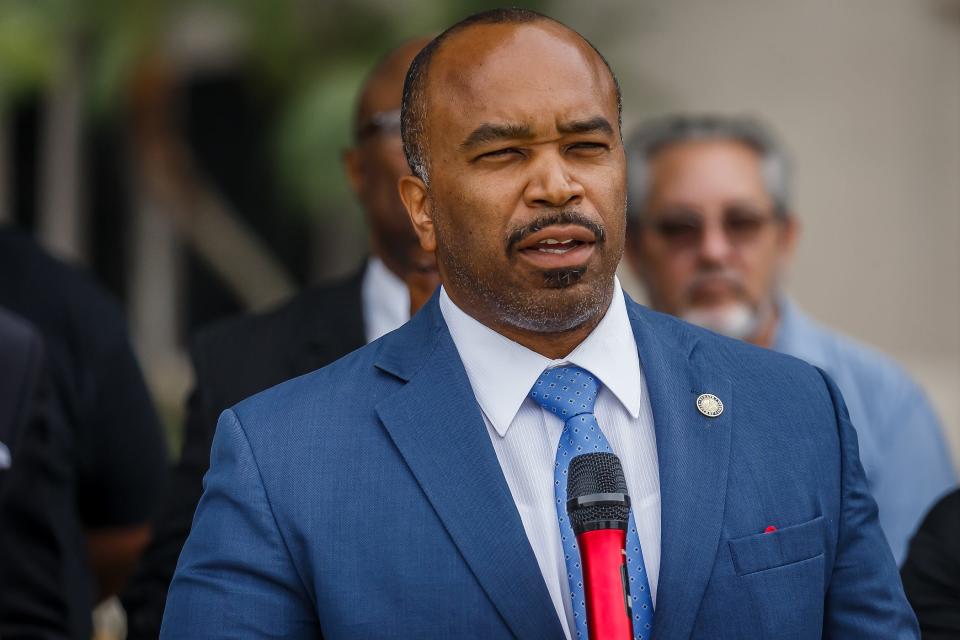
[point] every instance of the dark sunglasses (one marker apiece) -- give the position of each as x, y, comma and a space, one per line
685, 229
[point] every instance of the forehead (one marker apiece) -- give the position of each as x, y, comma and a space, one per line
707, 169
533, 73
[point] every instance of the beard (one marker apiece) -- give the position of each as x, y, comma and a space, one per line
739, 319
566, 299
735, 320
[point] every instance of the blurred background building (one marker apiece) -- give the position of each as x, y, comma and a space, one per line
188, 152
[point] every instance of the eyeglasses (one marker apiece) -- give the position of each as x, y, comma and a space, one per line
380, 123
685, 229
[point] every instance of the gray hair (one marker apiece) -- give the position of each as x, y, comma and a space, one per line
654, 135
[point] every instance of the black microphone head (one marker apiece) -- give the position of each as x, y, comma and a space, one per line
597, 493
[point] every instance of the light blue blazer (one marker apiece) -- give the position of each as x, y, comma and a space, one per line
364, 500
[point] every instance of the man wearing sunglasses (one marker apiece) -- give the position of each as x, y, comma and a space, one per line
711, 233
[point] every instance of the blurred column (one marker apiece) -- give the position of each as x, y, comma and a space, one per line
154, 306
153, 282
60, 223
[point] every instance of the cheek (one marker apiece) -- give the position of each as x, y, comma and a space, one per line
760, 268
669, 270
465, 227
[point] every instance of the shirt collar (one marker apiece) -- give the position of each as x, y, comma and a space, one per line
386, 300
502, 372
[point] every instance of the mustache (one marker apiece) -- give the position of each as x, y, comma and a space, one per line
566, 217
731, 277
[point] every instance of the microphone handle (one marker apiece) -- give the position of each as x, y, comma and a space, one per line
606, 585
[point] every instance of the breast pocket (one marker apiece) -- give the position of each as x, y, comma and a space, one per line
763, 551
782, 572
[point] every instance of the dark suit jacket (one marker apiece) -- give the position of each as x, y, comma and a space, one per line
314, 328
931, 572
44, 591
119, 447
21, 357
365, 500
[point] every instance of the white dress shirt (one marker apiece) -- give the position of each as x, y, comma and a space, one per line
525, 436
386, 300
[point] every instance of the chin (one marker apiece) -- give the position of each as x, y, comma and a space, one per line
735, 320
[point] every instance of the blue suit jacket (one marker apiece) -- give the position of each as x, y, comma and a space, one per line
365, 500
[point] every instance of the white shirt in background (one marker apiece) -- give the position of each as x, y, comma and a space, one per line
386, 300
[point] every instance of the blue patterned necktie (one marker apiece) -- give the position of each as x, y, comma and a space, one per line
570, 392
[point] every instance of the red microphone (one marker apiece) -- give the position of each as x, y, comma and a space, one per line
599, 510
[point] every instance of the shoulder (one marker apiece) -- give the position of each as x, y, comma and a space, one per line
20, 344
58, 298
881, 395
867, 366
328, 314
21, 352
289, 314
856, 366
338, 401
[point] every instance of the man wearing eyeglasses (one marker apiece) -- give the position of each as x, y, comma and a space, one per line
711, 233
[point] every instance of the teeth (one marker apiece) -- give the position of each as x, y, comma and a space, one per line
545, 250
555, 241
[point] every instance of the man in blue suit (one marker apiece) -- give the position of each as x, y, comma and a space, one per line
410, 488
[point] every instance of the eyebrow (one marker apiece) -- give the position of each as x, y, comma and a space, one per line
591, 125
490, 132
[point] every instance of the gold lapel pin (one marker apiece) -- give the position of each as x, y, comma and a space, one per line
709, 405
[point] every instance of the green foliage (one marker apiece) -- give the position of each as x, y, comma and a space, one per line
310, 55
311, 134
28, 34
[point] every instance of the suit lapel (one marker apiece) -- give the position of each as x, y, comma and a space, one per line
436, 424
693, 452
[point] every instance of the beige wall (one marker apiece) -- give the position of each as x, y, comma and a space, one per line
866, 94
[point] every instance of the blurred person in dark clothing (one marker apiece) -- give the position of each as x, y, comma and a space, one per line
711, 233
117, 454
21, 358
931, 572
43, 591
316, 327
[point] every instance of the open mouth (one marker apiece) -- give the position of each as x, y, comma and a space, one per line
558, 246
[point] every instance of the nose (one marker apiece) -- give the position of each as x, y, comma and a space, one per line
551, 184
715, 247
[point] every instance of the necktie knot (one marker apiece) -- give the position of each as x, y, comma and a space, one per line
566, 391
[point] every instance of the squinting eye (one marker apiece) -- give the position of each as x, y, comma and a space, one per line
500, 153
588, 147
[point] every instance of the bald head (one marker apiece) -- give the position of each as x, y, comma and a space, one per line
417, 87
376, 162
382, 91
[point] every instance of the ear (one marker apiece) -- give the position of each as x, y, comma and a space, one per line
413, 193
352, 167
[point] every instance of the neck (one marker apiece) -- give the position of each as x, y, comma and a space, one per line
550, 345
553, 345
767, 329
